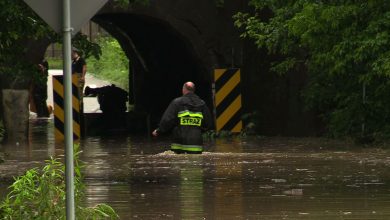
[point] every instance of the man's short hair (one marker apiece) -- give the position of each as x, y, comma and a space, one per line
190, 86
76, 50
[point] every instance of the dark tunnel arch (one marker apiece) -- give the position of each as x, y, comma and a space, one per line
161, 60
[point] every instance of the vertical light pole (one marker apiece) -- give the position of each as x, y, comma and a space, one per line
68, 119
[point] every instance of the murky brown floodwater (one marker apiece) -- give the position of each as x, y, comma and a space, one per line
256, 178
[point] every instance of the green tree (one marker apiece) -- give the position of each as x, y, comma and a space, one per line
345, 48
18, 27
113, 64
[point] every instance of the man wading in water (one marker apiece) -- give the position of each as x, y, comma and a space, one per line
188, 116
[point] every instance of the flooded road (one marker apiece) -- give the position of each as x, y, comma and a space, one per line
250, 178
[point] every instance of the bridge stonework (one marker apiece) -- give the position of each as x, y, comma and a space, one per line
207, 28
169, 42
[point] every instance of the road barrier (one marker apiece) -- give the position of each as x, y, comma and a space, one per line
58, 97
227, 100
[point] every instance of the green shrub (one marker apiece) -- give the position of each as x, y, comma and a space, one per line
40, 194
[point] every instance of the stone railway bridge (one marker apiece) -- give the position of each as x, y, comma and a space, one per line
169, 42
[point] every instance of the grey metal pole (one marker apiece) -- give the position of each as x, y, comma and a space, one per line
364, 102
68, 128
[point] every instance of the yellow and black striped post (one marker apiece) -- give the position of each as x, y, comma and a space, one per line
58, 96
228, 100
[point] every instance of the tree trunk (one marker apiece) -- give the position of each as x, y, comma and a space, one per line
16, 115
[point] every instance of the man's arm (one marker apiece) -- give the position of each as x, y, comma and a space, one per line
84, 72
168, 120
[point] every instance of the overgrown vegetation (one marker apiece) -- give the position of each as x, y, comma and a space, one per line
113, 65
40, 194
342, 45
55, 63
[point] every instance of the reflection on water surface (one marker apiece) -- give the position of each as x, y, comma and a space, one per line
248, 179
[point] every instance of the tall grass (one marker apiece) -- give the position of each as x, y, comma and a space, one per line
40, 194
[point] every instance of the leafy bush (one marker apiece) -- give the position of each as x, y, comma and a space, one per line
343, 46
40, 194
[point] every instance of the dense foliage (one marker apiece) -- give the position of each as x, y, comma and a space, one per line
113, 64
344, 46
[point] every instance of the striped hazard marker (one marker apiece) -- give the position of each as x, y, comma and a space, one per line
228, 100
58, 96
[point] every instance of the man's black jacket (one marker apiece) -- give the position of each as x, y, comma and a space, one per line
188, 116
